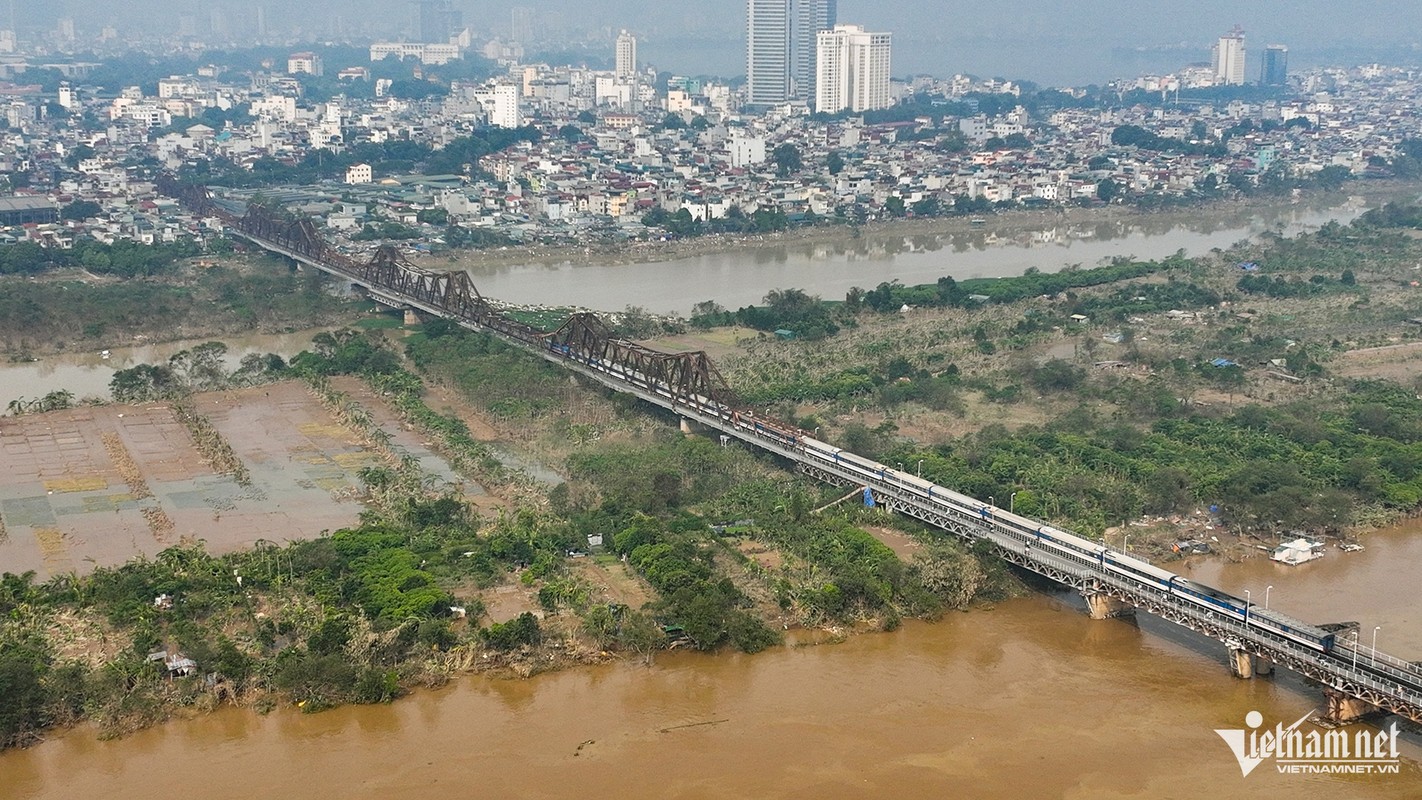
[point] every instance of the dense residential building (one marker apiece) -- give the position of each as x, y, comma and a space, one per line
1276, 66
1228, 60
780, 48
501, 104
852, 67
304, 63
358, 173
625, 56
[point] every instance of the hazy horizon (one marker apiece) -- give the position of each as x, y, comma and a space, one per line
1040, 40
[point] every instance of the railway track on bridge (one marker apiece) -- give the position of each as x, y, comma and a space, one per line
1355, 680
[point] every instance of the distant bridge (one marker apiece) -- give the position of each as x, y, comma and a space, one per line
1356, 680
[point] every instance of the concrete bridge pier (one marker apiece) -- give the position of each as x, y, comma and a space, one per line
1245, 665
1263, 665
691, 427
1340, 707
1104, 606
412, 317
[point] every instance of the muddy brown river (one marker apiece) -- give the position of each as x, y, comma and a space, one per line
1028, 699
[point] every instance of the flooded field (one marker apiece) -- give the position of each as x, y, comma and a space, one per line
96, 486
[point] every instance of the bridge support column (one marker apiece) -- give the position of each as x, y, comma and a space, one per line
691, 427
1245, 665
1342, 707
1263, 666
412, 317
1104, 606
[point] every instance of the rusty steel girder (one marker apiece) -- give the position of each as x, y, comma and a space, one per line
688, 379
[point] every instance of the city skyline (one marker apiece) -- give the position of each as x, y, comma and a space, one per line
1027, 39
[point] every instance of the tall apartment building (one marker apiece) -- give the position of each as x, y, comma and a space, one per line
852, 70
436, 21
626, 55
1276, 66
1229, 58
780, 48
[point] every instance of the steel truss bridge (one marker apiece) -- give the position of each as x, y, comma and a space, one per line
1356, 679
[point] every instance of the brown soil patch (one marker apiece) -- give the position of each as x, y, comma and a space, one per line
503, 603
613, 582
766, 556
447, 401
1399, 362
903, 545
717, 343
97, 486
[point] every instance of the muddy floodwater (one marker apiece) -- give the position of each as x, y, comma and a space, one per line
1028, 699
87, 374
829, 268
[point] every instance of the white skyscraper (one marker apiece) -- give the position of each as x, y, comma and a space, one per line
852, 70
780, 48
1229, 58
626, 55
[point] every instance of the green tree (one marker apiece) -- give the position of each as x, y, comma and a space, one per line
81, 210
834, 163
787, 160
22, 672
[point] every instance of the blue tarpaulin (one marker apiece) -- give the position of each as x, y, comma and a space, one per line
868, 498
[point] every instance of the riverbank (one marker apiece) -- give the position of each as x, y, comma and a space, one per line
1217, 212
74, 312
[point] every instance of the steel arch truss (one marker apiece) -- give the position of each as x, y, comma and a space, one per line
687, 379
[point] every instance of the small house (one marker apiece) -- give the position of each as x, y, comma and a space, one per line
1297, 551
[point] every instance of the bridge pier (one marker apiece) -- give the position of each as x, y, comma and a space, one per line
1104, 606
1340, 707
691, 427
412, 317
1245, 665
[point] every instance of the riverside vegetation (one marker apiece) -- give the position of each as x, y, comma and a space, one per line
1092, 396
367, 613
102, 295
1097, 396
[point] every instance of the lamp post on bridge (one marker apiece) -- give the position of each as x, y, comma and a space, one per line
1266, 596
1355, 648
920, 468
1375, 644
992, 503
1246, 609
1012, 503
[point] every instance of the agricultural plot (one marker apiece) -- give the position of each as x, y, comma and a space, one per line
96, 486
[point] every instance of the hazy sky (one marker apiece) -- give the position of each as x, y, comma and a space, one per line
1046, 40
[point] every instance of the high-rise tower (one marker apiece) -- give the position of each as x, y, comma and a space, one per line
780, 48
1276, 66
626, 55
853, 70
1229, 58
436, 21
